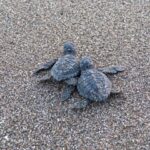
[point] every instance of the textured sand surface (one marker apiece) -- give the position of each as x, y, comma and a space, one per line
111, 32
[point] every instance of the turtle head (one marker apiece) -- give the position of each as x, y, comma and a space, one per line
69, 48
86, 63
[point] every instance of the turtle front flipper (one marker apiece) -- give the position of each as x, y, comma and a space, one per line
67, 92
111, 69
44, 67
72, 81
81, 104
45, 78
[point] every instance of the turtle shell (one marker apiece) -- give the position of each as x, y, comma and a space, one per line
94, 85
65, 68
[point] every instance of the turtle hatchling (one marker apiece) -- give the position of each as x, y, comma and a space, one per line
93, 84
65, 68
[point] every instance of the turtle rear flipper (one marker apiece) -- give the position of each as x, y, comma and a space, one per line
67, 92
111, 69
81, 104
44, 67
115, 91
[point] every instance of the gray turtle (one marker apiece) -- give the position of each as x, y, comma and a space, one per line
65, 68
93, 84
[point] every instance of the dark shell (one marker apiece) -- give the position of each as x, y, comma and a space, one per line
66, 67
94, 85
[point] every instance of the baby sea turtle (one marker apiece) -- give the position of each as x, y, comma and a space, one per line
93, 84
65, 68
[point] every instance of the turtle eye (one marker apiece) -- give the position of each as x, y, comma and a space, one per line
69, 50
86, 63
